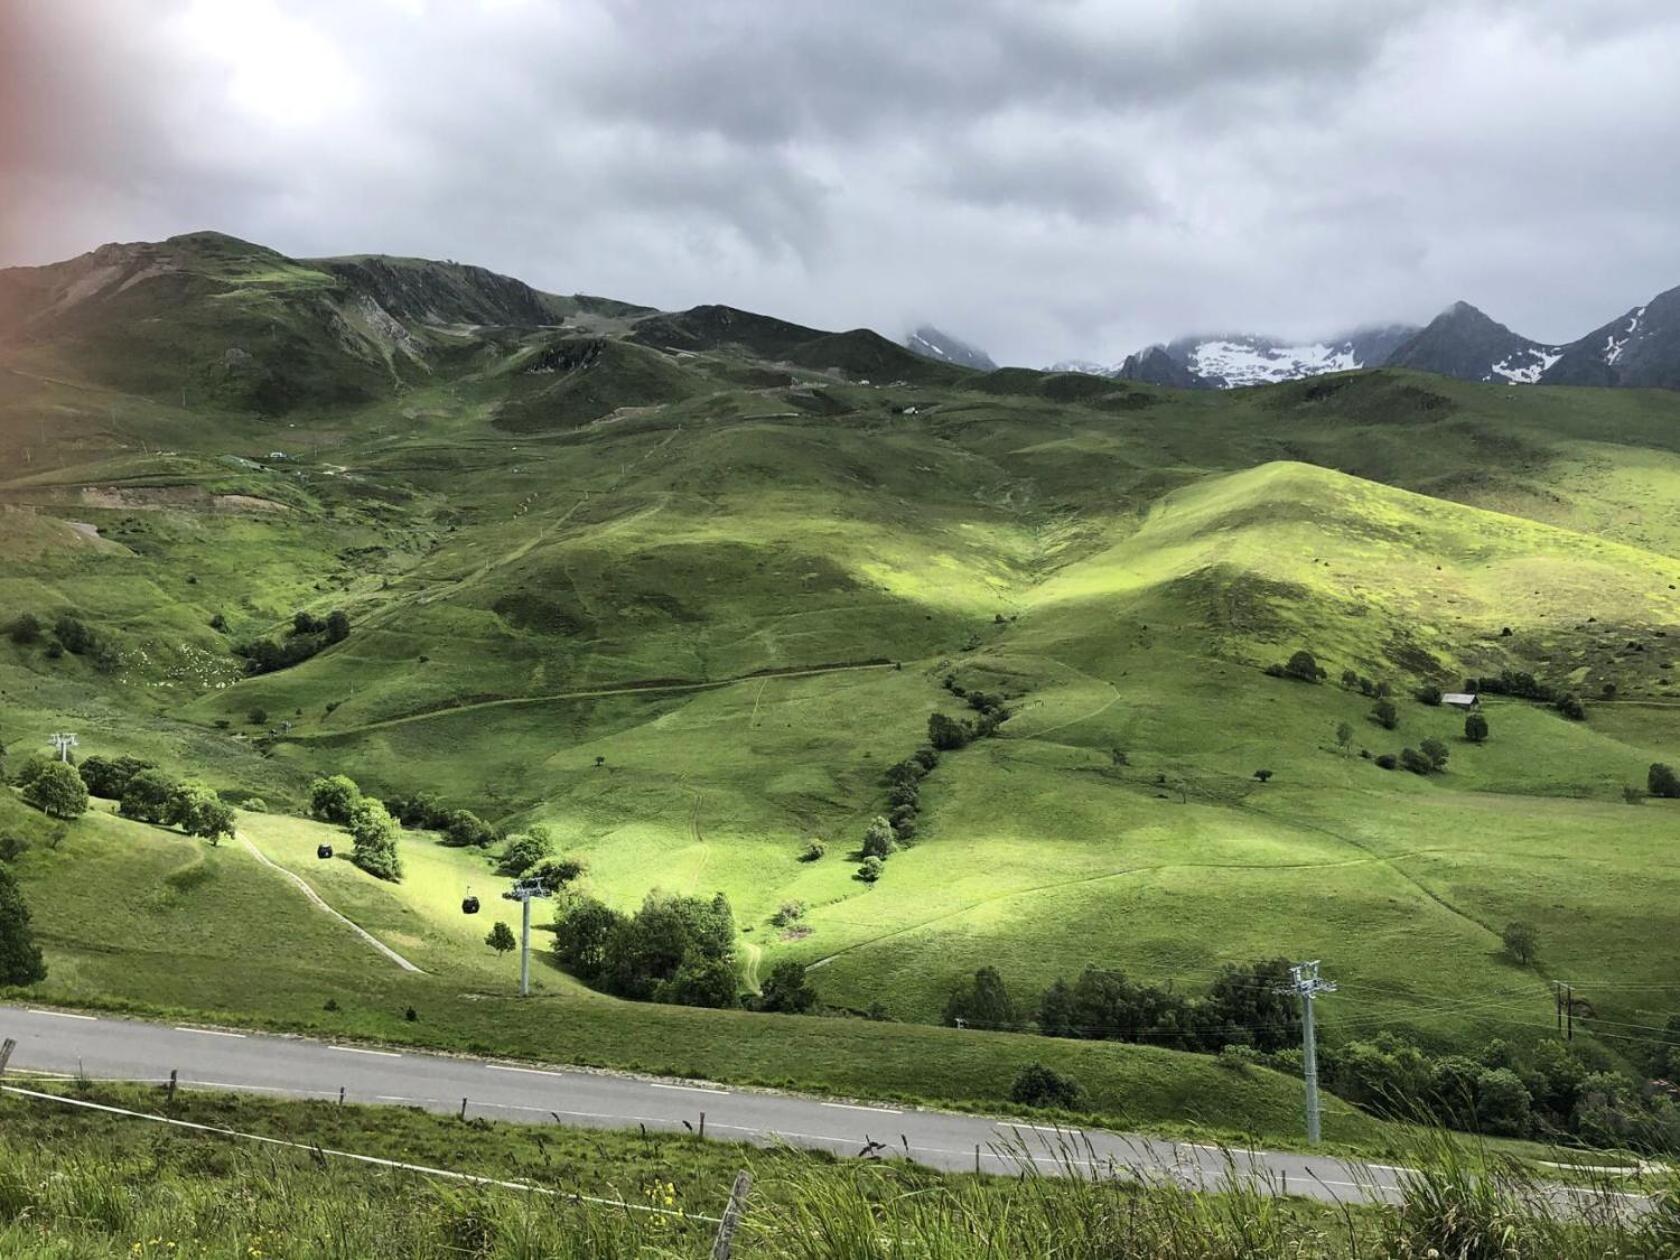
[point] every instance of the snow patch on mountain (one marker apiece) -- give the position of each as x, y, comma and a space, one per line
1251, 361
941, 347
1613, 345
1526, 366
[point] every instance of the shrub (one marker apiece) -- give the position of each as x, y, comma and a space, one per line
787, 990
25, 629
307, 623
788, 912
1385, 714
870, 871
1633, 794
1521, 941
1660, 780
334, 798
945, 733
904, 794
73, 635
1429, 694
1037, 1085
1475, 728
1572, 708
501, 938
927, 755
1263, 775
1344, 736
1503, 1103
56, 789
338, 626
1387, 761
812, 850
257, 716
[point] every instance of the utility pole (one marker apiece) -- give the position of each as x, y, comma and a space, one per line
64, 741
523, 892
1569, 1012
1304, 982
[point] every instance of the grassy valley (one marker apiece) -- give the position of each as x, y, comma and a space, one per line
681, 588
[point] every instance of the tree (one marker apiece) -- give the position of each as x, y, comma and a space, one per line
1429, 694
1385, 714
147, 796
1661, 780
108, 777
1387, 761
198, 811
1344, 737
946, 733
524, 852
1436, 751
55, 788
702, 981
20, 957
1263, 775
1415, 761
787, 990
337, 626
870, 871
1502, 1102
1572, 708
878, 840
582, 935
1303, 665
555, 873
982, 1002
501, 938
1475, 728
1522, 942
375, 833
466, 829
25, 629
1036, 1085
334, 798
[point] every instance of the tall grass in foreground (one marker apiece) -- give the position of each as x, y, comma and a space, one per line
196, 1197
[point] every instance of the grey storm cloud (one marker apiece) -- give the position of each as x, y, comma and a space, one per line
1048, 178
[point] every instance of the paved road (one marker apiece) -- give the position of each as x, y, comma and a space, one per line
109, 1048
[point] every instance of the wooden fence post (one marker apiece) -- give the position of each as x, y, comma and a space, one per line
6, 1048
174, 1073
723, 1244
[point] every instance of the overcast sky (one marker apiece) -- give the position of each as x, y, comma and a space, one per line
1050, 178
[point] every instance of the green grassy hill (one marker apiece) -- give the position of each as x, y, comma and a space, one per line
698, 546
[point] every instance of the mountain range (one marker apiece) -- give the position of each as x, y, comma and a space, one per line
1638, 349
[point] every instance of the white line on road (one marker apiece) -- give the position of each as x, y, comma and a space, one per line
38, 1010
209, 1032
1042, 1128
885, 1111
261, 1089
508, 1067
384, 1054
402, 1099
692, 1089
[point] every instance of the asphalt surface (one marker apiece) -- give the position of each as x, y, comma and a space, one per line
109, 1048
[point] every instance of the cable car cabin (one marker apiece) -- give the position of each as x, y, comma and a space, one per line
323, 851
469, 905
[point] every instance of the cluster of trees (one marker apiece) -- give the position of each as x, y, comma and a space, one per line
307, 635
1525, 686
337, 799
1303, 666
1243, 1006
459, 827
1365, 686
154, 796
886, 832
947, 734
674, 949
1547, 1091
68, 633
1429, 757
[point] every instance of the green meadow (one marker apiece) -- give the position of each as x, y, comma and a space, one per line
686, 610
